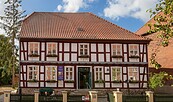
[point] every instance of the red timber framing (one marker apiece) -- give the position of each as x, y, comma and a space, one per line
68, 56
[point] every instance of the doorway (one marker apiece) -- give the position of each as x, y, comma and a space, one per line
84, 78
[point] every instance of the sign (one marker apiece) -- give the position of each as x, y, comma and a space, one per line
60, 73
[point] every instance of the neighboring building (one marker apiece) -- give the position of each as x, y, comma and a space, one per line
164, 54
80, 51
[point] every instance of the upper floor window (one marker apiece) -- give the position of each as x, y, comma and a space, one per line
98, 73
133, 73
34, 48
117, 50
69, 73
51, 73
33, 73
133, 50
116, 73
83, 49
51, 48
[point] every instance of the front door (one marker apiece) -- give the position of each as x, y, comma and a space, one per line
84, 78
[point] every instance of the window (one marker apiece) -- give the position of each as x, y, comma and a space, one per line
117, 50
83, 49
33, 73
33, 48
116, 73
51, 48
133, 74
69, 73
133, 50
51, 73
98, 73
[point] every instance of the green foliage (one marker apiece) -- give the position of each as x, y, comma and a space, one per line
158, 79
5, 60
154, 63
164, 21
11, 23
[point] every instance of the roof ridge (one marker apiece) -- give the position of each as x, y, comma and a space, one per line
119, 26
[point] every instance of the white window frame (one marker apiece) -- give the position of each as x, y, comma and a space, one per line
116, 50
51, 72
120, 71
52, 53
38, 47
97, 70
33, 71
83, 44
135, 52
134, 70
69, 71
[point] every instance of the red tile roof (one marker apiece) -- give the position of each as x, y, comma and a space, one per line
73, 26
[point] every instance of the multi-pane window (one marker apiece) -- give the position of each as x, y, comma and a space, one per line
98, 73
51, 73
34, 48
83, 49
69, 73
116, 49
116, 73
133, 50
33, 73
51, 48
133, 73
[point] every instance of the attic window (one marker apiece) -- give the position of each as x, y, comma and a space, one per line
80, 29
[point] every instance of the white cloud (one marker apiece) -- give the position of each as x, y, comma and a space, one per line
129, 8
2, 7
73, 5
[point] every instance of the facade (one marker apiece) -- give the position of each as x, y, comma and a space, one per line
80, 51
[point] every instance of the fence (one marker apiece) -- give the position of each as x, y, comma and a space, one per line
163, 98
135, 98
21, 98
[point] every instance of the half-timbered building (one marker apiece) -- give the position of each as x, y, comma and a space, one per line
80, 51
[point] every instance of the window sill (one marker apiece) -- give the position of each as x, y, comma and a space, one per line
117, 56
52, 55
32, 81
69, 81
84, 56
134, 57
51, 81
33, 55
116, 81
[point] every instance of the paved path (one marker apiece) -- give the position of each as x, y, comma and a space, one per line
2, 98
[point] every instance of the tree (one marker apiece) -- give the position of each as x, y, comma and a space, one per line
6, 51
163, 26
11, 23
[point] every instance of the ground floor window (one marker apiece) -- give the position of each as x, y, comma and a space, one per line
116, 73
69, 73
98, 72
51, 72
133, 73
33, 73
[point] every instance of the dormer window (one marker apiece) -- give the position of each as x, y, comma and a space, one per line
83, 50
133, 50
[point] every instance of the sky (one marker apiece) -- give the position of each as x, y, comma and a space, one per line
128, 14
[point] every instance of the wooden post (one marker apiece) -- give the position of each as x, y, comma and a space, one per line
150, 96
118, 96
64, 94
93, 95
36, 96
7, 96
